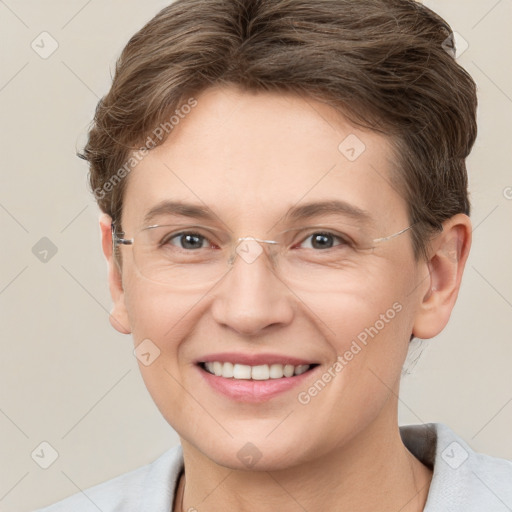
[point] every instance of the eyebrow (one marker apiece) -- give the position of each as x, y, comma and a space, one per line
331, 207
294, 214
179, 208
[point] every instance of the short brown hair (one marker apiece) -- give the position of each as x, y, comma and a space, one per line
387, 65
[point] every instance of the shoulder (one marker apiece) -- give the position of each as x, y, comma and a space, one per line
147, 488
463, 480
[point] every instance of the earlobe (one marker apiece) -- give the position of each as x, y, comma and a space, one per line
120, 326
118, 315
447, 258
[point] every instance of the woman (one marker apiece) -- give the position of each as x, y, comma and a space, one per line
285, 208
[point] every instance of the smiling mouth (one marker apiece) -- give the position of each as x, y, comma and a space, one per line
259, 372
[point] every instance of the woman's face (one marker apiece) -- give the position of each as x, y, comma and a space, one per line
252, 160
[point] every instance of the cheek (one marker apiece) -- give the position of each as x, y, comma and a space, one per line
156, 312
369, 347
160, 320
370, 341
380, 287
368, 327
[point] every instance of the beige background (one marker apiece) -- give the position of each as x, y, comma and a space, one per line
67, 378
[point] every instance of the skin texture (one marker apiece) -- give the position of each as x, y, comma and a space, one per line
249, 157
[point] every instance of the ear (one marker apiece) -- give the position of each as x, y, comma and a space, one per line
446, 261
118, 316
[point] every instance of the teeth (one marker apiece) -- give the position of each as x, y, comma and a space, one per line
259, 372
276, 371
227, 370
301, 369
217, 368
241, 371
288, 370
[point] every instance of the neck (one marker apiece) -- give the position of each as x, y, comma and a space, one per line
375, 472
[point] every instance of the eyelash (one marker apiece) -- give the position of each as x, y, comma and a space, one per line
343, 240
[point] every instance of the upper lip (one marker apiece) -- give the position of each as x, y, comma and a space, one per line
253, 359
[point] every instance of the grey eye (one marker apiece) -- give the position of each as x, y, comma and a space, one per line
322, 241
188, 241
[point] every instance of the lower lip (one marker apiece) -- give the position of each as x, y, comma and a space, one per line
244, 390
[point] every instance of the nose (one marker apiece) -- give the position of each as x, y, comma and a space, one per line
251, 296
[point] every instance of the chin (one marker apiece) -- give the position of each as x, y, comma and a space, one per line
251, 458
258, 452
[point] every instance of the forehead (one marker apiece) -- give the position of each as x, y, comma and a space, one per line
250, 157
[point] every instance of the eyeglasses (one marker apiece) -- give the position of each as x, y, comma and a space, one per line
194, 257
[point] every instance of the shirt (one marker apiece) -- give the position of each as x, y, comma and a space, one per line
462, 481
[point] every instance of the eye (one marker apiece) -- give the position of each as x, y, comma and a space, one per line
323, 240
187, 241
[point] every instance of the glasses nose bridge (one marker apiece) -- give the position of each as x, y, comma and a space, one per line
249, 249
